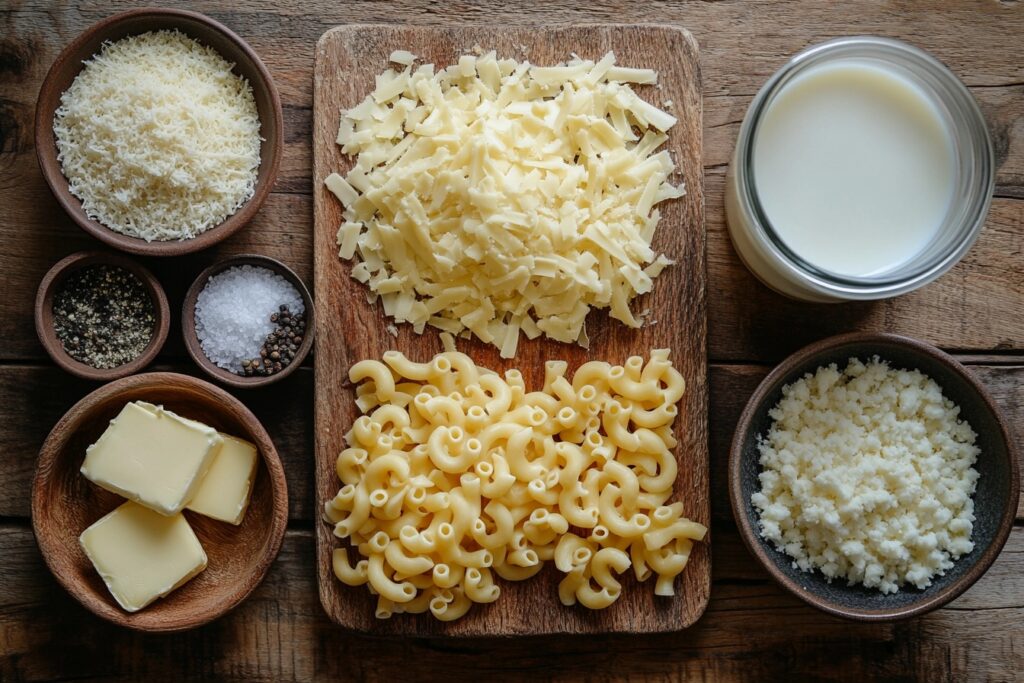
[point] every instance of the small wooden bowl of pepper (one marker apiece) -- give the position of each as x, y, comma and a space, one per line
290, 333
101, 316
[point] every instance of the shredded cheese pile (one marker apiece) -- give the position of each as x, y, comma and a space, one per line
158, 138
495, 197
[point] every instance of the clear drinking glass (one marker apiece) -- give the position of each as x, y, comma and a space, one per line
768, 257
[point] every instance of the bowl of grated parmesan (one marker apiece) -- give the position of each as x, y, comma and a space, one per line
873, 476
159, 131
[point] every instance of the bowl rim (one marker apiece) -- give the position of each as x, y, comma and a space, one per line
188, 321
751, 538
43, 313
66, 425
46, 149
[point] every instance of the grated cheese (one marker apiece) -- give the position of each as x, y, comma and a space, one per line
497, 197
158, 138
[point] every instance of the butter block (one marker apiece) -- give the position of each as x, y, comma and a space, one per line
153, 457
224, 493
142, 555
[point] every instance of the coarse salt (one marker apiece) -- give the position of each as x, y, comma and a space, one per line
233, 313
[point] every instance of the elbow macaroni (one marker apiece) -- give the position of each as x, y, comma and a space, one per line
455, 474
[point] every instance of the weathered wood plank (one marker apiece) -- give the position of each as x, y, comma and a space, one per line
36, 234
971, 308
974, 306
751, 631
32, 399
978, 40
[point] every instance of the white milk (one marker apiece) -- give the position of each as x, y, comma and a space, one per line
854, 167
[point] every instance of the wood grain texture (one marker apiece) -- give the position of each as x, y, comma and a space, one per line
971, 308
750, 632
347, 61
32, 398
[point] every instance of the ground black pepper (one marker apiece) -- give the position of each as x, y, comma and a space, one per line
103, 316
279, 348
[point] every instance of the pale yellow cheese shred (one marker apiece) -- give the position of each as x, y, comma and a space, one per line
497, 197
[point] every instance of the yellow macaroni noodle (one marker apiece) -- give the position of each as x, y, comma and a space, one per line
455, 474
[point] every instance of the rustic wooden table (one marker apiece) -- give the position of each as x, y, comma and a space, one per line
751, 629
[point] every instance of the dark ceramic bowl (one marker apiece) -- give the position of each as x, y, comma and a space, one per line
188, 321
995, 500
208, 32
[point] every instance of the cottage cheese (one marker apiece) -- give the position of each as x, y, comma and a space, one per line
867, 474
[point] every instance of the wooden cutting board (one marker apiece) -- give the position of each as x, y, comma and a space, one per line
349, 329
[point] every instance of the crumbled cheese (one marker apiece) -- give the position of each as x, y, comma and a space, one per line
867, 475
403, 57
499, 197
158, 138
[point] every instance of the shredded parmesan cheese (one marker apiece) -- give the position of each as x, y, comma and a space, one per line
158, 138
499, 197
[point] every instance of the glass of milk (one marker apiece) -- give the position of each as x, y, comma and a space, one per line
863, 170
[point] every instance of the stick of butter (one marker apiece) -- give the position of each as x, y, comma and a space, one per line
152, 456
142, 555
224, 493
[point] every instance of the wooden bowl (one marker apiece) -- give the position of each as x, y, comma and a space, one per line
51, 284
995, 500
206, 31
64, 503
188, 321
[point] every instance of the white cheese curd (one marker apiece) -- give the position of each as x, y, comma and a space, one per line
868, 475
495, 197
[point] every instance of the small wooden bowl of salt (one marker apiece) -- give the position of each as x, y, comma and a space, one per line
248, 321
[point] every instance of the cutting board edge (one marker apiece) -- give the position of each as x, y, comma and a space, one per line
699, 599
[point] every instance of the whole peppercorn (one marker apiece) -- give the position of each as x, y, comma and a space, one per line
280, 346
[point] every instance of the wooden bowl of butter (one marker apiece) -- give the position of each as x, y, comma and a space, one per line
159, 502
